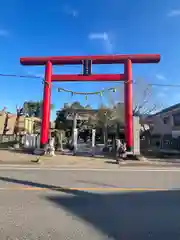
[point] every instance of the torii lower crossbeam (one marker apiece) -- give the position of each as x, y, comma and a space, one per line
127, 60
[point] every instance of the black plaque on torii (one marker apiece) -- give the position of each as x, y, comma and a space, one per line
87, 67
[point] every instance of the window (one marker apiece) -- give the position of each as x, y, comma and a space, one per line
176, 119
166, 120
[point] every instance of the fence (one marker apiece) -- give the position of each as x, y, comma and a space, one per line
7, 138
161, 143
170, 143
31, 141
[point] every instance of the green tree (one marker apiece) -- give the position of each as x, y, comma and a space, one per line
61, 121
103, 121
76, 105
34, 108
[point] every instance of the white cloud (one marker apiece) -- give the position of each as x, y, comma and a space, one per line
104, 36
161, 77
101, 36
4, 33
70, 11
174, 13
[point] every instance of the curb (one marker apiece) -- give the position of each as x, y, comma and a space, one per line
90, 167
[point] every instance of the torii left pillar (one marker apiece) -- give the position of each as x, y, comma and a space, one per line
46, 104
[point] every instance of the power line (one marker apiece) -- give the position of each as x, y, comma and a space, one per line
39, 77
20, 76
163, 85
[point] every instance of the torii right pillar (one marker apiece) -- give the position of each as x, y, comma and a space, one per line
128, 100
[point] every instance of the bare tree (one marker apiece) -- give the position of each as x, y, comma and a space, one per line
145, 102
19, 113
144, 98
3, 111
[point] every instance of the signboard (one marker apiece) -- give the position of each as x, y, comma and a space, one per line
87, 67
70, 116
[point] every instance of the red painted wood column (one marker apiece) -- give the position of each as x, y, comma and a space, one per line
46, 105
128, 105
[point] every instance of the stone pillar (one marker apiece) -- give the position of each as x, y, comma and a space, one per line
136, 136
75, 138
93, 141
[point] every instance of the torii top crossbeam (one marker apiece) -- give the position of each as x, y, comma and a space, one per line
102, 59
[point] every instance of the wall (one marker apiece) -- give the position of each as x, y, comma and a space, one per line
163, 123
31, 124
24, 124
159, 128
11, 124
2, 122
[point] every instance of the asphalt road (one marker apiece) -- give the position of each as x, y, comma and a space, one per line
80, 204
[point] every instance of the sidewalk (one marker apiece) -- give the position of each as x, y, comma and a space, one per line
17, 158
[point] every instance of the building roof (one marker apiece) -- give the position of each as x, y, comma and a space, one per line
83, 110
168, 109
119, 111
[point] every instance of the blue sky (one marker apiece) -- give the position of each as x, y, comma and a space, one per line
77, 27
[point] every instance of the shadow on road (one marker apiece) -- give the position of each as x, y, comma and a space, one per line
121, 215
145, 215
44, 186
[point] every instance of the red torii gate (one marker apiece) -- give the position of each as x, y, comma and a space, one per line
127, 60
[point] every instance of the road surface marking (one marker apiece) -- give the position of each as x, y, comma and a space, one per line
61, 189
60, 168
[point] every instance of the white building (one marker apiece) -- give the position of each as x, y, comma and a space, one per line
164, 122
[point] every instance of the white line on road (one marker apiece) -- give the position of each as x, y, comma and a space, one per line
63, 168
